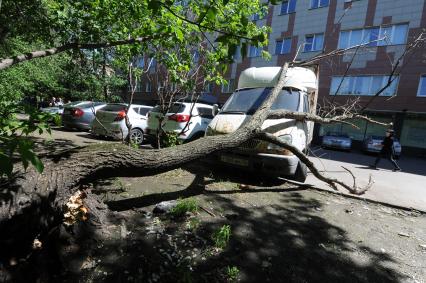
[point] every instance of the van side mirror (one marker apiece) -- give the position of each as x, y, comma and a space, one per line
215, 109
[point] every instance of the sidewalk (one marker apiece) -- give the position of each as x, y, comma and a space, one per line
406, 188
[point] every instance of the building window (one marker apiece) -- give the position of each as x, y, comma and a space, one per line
283, 46
255, 51
288, 7
414, 132
208, 87
376, 36
138, 86
228, 87
319, 3
314, 42
257, 17
140, 62
152, 63
363, 85
422, 86
148, 87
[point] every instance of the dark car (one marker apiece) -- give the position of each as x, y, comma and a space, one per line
80, 114
373, 144
337, 140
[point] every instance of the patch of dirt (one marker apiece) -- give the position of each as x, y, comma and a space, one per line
279, 233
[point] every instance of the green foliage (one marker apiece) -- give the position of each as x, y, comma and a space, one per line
170, 139
192, 224
183, 206
221, 237
232, 273
14, 141
134, 145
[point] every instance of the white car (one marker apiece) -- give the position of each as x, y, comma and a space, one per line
110, 121
188, 120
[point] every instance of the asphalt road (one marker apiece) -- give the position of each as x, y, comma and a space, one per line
406, 188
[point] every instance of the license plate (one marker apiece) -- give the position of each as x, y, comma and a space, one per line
234, 160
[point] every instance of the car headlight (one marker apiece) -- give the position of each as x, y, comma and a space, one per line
284, 138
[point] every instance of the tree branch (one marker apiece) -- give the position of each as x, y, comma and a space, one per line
303, 158
7, 62
302, 116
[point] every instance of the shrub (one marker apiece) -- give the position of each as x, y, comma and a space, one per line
183, 206
232, 273
221, 236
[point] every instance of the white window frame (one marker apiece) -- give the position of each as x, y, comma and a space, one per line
370, 84
421, 82
228, 87
257, 52
313, 42
378, 42
288, 6
282, 45
311, 6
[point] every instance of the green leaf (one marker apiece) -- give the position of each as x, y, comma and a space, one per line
37, 163
6, 165
179, 34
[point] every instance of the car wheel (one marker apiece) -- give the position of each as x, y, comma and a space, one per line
136, 136
301, 172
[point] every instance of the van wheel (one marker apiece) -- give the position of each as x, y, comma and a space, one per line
136, 136
301, 172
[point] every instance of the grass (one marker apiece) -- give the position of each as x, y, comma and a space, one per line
221, 237
183, 206
232, 273
118, 184
192, 224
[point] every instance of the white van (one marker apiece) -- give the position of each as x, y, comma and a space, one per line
254, 86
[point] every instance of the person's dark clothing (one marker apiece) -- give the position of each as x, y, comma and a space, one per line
387, 145
387, 152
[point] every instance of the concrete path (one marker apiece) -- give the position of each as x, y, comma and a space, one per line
406, 188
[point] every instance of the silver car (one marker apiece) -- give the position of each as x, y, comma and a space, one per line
374, 144
80, 114
53, 110
337, 140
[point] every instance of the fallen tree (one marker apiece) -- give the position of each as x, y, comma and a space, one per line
36, 200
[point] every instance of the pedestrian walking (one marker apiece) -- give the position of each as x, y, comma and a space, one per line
387, 151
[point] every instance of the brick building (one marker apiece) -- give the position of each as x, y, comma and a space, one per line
308, 27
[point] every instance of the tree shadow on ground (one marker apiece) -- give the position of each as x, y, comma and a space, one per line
284, 240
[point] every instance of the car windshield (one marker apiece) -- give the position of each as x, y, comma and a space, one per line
247, 101
114, 107
81, 104
176, 108
143, 110
334, 134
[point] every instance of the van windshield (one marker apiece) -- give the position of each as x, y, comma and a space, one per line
246, 101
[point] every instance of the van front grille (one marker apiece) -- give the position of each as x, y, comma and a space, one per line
250, 144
